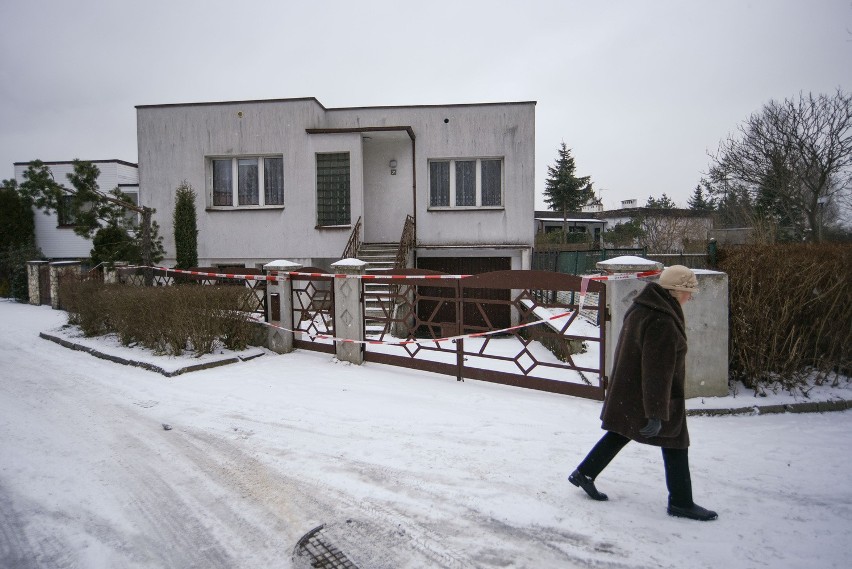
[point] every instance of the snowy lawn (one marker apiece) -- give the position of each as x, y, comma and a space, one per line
406, 469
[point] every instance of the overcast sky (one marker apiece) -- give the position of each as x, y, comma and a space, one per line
640, 91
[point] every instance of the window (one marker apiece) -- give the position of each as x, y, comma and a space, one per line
247, 178
131, 217
439, 184
65, 211
466, 183
236, 182
273, 181
333, 207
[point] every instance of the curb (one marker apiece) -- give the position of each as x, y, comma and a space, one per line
803, 407
150, 367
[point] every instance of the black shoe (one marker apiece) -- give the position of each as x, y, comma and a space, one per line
588, 484
693, 512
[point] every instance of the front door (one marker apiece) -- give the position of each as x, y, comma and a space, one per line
388, 186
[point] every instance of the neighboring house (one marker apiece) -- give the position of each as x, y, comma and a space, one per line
666, 230
55, 233
578, 222
290, 178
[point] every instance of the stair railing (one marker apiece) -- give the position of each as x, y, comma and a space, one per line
354, 243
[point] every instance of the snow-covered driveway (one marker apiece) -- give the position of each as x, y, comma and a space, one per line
406, 469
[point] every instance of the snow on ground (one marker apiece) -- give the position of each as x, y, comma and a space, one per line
405, 468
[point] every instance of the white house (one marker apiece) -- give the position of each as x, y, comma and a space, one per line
54, 233
666, 230
576, 222
290, 178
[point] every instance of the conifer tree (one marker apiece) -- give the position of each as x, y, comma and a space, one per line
563, 190
697, 202
665, 202
185, 227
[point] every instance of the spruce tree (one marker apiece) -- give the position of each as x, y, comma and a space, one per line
563, 190
185, 227
665, 202
697, 202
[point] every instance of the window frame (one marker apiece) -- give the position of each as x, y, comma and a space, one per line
451, 171
261, 190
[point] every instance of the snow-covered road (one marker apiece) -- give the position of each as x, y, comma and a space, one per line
406, 469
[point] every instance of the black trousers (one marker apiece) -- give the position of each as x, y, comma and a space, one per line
676, 461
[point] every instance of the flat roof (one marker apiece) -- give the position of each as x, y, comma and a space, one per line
63, 162
315, 100
560, 220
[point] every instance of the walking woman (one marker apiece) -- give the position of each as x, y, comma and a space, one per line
645, 398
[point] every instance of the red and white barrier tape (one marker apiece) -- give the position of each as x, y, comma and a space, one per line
274, 276
424, 341
584, 285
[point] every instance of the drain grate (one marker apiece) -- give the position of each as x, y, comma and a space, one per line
321, 552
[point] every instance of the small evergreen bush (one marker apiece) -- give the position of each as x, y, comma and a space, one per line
167, 320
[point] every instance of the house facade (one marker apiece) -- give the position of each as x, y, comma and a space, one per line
55, 233
290, 178
547, 221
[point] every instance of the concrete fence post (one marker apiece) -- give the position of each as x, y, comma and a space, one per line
706, 318
34, 281
278, 340
57, 270
349, 311
111, 274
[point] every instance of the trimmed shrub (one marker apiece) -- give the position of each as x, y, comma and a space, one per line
167, 320
791, 308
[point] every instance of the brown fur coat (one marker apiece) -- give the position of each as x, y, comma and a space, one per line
649, 371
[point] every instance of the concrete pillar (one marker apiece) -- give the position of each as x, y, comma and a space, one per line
706, 318
278, 340
349, 310
34, 280
57, 270
111, 275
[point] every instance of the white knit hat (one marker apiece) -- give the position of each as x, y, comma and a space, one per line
678, 277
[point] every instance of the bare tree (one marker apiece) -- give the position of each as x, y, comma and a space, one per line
663, 233
793, 160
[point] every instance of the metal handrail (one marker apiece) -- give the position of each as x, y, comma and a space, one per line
354, 242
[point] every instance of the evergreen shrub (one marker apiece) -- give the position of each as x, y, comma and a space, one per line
167, 320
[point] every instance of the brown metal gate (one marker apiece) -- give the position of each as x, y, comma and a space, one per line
561, 355
313, 309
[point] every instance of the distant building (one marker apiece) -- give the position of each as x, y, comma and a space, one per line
55, 233
665, 229
547, 221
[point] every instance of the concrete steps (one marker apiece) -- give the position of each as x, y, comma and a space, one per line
379, 257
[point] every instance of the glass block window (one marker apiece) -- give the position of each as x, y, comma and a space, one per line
333, 188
